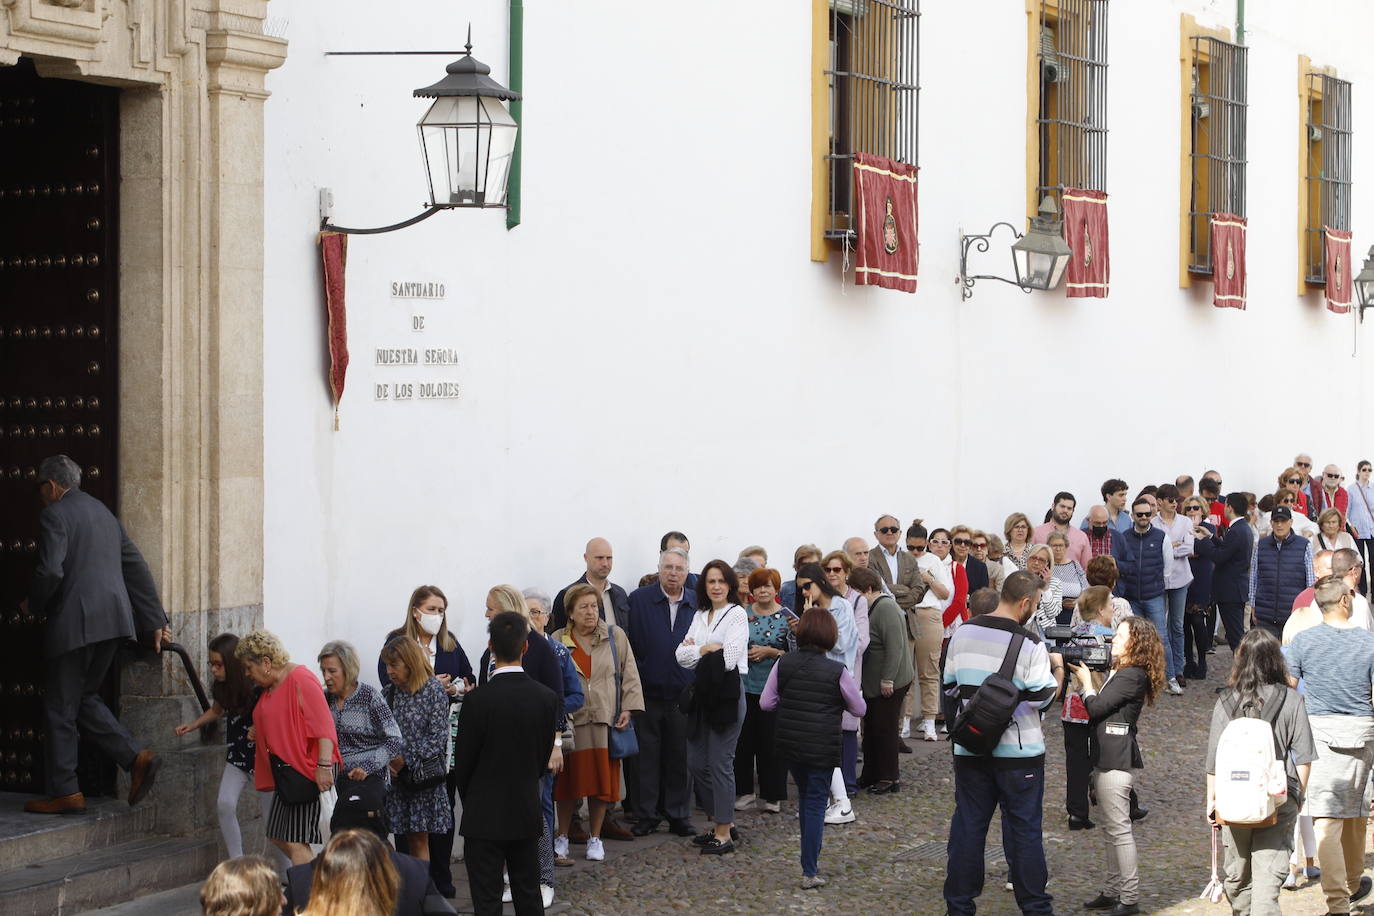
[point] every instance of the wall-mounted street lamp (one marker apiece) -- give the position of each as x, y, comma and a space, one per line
1039, 257
1364, 284
466, 139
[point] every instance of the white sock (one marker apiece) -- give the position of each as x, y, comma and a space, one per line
928, 724
837, 790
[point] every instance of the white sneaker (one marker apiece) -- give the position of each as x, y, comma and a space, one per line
744, 803
595, 851
1173, 688
839, 813
772, 807
547, 893
906, 728
507, 896
928, 730
1291, 882
560, 846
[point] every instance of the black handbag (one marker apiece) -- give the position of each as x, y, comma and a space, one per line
425, 773
292, 788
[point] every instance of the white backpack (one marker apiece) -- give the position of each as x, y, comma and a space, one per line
1251, 778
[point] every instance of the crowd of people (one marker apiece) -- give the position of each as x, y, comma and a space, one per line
706, 690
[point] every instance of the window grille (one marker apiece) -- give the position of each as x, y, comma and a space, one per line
1217, 144
1072, 119
1328, 167
874, 92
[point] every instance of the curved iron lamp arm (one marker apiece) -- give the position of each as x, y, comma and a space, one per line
981, 242
326, 226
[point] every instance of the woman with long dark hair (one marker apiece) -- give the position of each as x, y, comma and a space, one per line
1257, 857
720, 625
1136, 678
234, 697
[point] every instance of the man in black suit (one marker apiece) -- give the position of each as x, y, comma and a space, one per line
95, 590
416, 896
505, 738
1230, 552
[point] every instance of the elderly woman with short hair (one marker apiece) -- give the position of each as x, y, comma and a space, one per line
369, 738
1017, 529
1071, 576
1040, 560
292, 725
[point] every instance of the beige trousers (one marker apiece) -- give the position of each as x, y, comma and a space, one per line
1340, 853
930, 638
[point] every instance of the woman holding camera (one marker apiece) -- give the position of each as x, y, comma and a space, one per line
1136, 678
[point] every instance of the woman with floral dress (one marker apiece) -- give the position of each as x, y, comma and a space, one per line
420, 707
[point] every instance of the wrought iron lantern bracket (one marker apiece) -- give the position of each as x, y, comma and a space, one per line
981, 243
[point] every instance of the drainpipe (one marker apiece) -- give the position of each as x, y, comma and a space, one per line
517, 84
1240, 21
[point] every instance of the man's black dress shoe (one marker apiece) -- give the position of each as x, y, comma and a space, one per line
644, 828
1123, 909
1080, 823
1102, 902
682, 828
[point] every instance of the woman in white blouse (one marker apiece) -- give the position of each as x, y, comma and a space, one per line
721, 625
1331, 533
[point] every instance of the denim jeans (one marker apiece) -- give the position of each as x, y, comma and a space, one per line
1177, 600
979, 789
1156, 611
813, 791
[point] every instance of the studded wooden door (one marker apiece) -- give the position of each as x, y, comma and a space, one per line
59, 172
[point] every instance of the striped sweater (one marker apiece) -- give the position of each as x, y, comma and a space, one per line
976, 651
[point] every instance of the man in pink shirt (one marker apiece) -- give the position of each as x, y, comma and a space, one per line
1061, 517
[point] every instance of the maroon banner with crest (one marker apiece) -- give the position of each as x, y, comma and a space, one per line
885, 219
334, 253
1085, 229
1228, 261
1337, 270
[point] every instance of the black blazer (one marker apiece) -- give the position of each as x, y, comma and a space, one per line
1231, 557
416, 895
1113, 714
540, 663
505, 737
977, 572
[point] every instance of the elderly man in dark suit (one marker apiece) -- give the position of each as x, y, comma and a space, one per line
505, 738
95, 590
1230, 553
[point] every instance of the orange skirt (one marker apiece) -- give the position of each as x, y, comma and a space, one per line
589, 771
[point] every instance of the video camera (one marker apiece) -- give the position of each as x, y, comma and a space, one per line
1092, 651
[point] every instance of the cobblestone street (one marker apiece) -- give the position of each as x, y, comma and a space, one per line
892, 859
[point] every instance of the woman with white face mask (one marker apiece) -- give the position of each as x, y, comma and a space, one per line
427, 624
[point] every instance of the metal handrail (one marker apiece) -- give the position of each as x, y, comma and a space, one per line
191, 675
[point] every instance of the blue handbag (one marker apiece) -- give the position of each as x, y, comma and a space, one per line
623, 742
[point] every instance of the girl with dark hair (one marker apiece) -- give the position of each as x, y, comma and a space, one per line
234, 697
811, 691
1136, 678
815, 590
721, 626
1257, 858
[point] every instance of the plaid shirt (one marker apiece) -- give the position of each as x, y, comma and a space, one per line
1100, 546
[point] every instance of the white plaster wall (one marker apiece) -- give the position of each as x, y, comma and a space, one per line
652, 348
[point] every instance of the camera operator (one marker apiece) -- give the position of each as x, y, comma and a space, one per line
1094, 613
1137, 677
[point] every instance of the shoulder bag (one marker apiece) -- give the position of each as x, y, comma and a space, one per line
622, 742
291, 787
426, 772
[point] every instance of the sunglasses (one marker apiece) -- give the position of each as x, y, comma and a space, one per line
803, 586
980, 545
916, 548
1302, 464
890, 529
1193, 509
834, 569
1293, 480
1143, 514
1335, 476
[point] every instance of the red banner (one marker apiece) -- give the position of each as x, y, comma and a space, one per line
334, 251
1337, 270
885, 218
1085, 229
1228, 261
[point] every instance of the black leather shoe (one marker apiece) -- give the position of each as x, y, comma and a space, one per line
1182, 681
682, 828
1139, 814
1102, 902
644, 828
1123, 909
903, 747
1080, 823
717, 848
1366, 884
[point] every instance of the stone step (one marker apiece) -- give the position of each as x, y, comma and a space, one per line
99, 877
28, 838
179, 901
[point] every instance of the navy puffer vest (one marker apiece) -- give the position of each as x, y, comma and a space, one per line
1280, 576
809, 709
1140, 559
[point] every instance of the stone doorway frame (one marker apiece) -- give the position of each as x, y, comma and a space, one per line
193, 79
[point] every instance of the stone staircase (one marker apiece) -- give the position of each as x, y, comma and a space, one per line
62, 866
